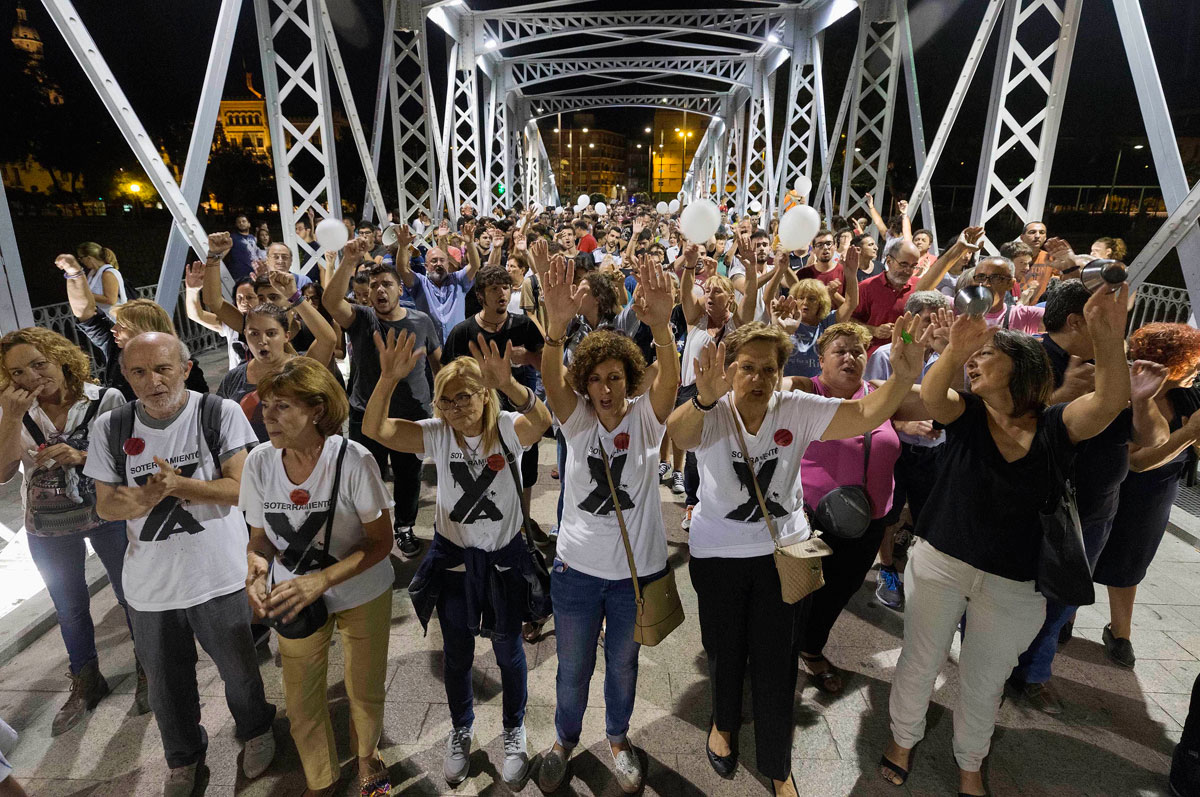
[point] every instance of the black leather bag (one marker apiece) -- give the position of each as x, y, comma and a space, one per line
312, 617
845, 512
537, 577
1063, 572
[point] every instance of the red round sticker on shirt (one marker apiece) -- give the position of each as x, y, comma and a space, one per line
783, 437
134, 446
621, 441
299, 497
496, 462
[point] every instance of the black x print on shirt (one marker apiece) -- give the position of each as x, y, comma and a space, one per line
599, 500
298, 540
750, 511
168, 516
474, 503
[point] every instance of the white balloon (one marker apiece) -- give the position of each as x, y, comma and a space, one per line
803, 185
661, 207
798, 227
755, 206
579, 208
583, 200
601, 208
673, 206
558, 211
332, 235
699, 221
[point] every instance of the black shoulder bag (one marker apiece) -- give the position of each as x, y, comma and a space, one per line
845, 512
538, 577
313, 616
1063, 572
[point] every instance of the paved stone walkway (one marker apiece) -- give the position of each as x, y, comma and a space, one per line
1115, 738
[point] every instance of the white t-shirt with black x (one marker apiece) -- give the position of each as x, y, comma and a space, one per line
180, 553
294, 515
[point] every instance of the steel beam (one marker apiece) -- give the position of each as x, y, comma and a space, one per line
731, 169
84, 48
527, 73
300, 114
870, 133
1025, 124
908, 63
551, 104
16, 311
509, 29
381, 97
825, 187
1179, 229
461, 128
796, 152
413, 114
760, 164
171, 274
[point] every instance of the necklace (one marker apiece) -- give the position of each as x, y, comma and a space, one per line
487, 326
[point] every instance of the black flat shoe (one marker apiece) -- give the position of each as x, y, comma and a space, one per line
1119, 649
895, 769
723, 765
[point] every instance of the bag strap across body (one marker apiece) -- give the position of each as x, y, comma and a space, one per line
333, 502
762, 504
516, 475
612, 490
35, 431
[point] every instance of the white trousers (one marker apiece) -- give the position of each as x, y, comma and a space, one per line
1003, 616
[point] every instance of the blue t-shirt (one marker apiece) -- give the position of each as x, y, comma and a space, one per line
240, 260
804, 360
445, 303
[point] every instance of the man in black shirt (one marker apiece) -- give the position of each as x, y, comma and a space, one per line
493, 287
412, 397
1101, 464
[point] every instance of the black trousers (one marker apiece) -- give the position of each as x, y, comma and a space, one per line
916, 473
744, 624
844, 572
406, 473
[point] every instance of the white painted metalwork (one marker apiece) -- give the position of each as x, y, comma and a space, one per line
870, 133
757, 177
199, 147
796, 151
908, 63
527, 73
824, 192
731, 164
551, 104
412, 113
300, 113
1026, 127
386, 53
15, 310
460, 128
84, 48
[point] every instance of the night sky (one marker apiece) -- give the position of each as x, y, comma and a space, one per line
158, 50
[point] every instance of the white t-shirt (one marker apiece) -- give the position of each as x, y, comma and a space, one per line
697, 338
180, 554
70, 478
270, 500
727, 521
589, 537
477, 501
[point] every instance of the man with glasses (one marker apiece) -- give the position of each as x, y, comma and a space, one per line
881, 298
997, 274
822, 265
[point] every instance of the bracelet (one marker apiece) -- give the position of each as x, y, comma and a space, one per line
670, 345
557, 341
296, 298
529, 403
704, 407
68, 276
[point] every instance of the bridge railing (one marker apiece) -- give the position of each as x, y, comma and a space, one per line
59, 318
1159, 303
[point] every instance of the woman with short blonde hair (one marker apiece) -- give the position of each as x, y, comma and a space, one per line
320, 534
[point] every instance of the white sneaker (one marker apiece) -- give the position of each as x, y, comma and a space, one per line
258, 753
457, 763
628, 770
516, 756
677, 486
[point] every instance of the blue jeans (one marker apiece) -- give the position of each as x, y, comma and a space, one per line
458, 647
60, 561
582, 603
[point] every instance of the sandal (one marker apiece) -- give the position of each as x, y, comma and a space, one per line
890, 771
376, 783
828, 681
531, 632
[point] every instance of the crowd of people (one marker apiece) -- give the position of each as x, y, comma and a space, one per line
803, 415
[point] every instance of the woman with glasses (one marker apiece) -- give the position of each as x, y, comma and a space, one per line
997, 273
474, 572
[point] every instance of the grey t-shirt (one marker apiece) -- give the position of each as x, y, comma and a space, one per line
413, 394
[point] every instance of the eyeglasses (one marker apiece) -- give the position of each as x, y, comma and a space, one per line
459, 402
902, 264
822, 244
994, 279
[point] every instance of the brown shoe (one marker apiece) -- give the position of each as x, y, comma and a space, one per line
141, 697
87, 689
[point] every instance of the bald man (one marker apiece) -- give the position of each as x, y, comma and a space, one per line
169, 464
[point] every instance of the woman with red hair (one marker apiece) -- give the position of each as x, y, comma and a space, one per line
1149, 490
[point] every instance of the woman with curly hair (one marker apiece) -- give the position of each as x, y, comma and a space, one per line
1149, 490
47, 401
609, 428
749, 437
1108, 248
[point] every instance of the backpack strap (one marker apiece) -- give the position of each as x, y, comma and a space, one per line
120, 429
210, 427
34, 430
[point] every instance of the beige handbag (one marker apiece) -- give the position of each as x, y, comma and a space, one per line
798, 564
659, 610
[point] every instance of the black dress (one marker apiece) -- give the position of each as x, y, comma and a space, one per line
1144, 508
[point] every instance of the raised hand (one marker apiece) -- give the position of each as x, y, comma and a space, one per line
968, 334
745, 250
521, 243
284, 281
539, 256
354, 251
404, 238
468, 231
219, 243
561, 295
1061, 255
495, 366
691, 255
902, 205
193, 275
937, 332
1106, 312
397, 357
712, 377
970, 237
638, 226
68, 264
908, 350
1146, 380
656, 300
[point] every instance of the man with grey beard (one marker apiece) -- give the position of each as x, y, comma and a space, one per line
170, 465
